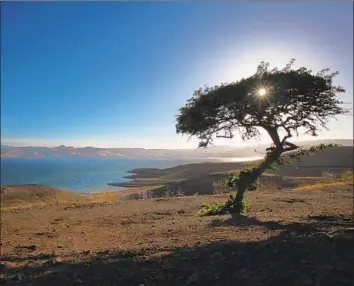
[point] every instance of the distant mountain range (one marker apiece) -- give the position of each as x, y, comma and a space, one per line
217, 151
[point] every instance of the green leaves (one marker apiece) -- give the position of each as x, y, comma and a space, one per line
242, 176
232, 179
243, 208
211, 209
295, 99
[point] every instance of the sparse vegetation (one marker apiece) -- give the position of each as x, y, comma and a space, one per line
211, 209
347, 176
161, 241
223, 208
320, 186
330, 180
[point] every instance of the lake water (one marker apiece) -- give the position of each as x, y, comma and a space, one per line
79, 174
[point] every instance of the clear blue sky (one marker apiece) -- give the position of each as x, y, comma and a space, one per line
115, 73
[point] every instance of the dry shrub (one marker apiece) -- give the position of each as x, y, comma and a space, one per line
330, 181
328, 177
347, 176
220, 186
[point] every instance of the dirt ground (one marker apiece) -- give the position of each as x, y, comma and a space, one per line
289, 238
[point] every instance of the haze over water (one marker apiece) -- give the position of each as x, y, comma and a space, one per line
80, 174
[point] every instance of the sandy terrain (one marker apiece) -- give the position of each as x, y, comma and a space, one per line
289, 238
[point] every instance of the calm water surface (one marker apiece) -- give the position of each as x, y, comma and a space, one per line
78, 174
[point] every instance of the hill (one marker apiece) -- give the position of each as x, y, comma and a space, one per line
31, 195
21, 197
217, 151
200, 177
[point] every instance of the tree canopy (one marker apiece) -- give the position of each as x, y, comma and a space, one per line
278, 100
282, 102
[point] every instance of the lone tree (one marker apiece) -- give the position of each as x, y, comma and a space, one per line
282, 102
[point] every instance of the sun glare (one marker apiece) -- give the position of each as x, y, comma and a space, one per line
262, 92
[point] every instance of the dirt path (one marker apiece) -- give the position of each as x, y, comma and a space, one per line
289, 238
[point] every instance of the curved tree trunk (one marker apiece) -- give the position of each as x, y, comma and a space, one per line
247, 179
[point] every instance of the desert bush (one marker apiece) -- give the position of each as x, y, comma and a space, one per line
179, 192
145, 195
223, 208
169, 192
211, 209
347, 176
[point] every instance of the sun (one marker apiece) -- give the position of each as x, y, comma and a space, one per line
262, 92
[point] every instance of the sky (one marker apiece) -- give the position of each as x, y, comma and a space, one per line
114, 74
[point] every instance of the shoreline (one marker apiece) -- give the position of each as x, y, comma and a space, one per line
132, 176
125, 178
200, 175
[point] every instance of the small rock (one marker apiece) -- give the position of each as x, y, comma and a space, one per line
58, 259
32, 247
87, 252
60, 246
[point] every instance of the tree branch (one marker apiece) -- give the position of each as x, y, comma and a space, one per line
229, 136
291, 147
273, 133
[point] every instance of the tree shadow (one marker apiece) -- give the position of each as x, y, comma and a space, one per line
291, 201
241, 220
313, 224
320, 252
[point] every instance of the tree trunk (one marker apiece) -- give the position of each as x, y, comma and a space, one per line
247, 179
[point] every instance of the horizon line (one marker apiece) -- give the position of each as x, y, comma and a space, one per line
211, 146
